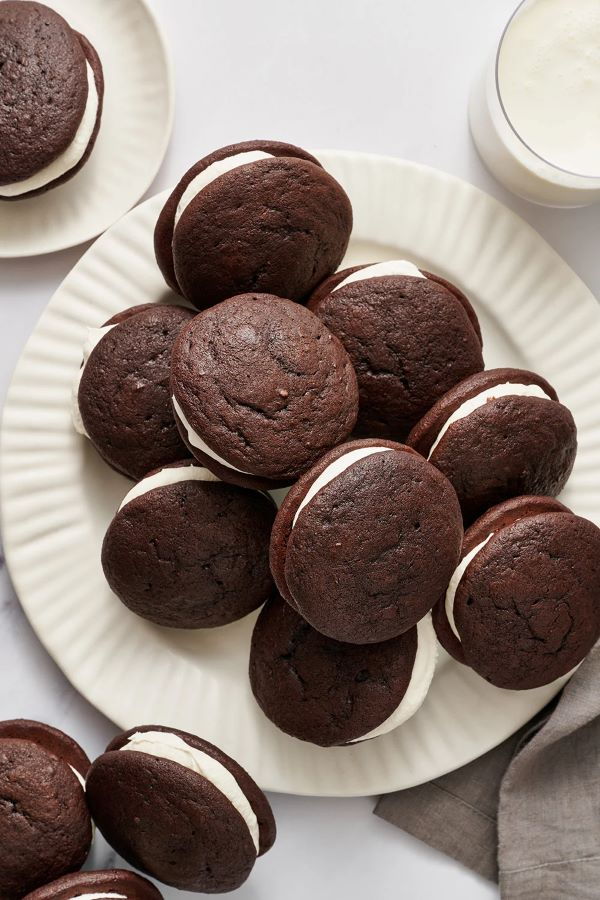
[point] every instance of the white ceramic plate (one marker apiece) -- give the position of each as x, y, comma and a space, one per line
58, 496
134, 133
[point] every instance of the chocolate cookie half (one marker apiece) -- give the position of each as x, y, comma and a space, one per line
365, 543
522, 606
261, 389
329, 693
499, 434
256, 216
179, 809
109, 884
121, 396
51, 92
410, 337
186, 550
44, 822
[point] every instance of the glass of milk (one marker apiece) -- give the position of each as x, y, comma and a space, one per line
535, 114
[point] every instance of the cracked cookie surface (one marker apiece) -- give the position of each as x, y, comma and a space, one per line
410, 340
173, 823
278, 225
526, 608
318, 689
194, 554
124, 394
266, 386
43, 88
510, 446
44, 821
43, 91
374, 549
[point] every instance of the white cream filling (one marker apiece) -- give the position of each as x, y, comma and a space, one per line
81, 781
166, 745
197, 442
173, 475
214, 171
94, 336
333, 470
508, 389
420, 682
392, 267
457, 578
70, 157
78, 776
100, 896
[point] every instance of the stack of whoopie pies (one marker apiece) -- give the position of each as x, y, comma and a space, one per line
363, 391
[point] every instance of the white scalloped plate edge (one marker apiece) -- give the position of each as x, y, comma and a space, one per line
57, 497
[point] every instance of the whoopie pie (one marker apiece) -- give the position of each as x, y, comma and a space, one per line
257, 216
499, 434
179, 809
410, 336
44, 821
261, 390
121, 395
109, 884
51, 91
332, 693
365, 543
523, 606
186, 550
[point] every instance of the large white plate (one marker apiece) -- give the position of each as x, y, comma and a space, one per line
58, 496
133, 137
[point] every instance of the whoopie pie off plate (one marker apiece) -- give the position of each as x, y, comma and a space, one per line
132, 140
58, 496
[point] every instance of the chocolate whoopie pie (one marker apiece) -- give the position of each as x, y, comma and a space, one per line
522, 608
45, 826
410, 336
365, 543
257, 216
261, 389
188, 551
179, 809
331, 693
499, 434
51, 92
111, 884
121, 397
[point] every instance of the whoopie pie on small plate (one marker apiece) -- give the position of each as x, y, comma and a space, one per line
261, 389
523, 606
179, 809
44, 820
109, 884
365, 543
499, 434
121, 398
411, 336
258, 216
51, 92
332, 693
186, 550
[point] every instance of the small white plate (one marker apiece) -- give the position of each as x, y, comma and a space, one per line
58, 496
136, 126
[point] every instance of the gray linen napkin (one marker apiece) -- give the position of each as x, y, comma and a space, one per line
526, 814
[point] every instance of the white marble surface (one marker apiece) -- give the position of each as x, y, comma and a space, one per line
390, 76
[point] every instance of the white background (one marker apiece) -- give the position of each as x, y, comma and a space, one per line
388, 76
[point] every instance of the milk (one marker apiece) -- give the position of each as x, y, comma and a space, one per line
535, 116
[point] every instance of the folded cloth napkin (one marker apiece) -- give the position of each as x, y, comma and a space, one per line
526, 814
